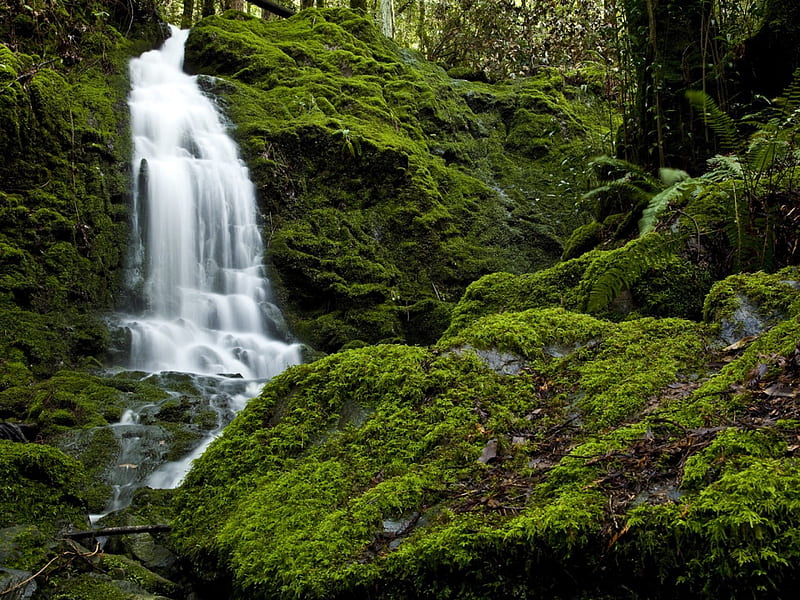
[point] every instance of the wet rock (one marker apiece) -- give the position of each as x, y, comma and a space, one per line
746, 321
16, 585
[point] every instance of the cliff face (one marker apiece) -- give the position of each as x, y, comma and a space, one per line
387, 186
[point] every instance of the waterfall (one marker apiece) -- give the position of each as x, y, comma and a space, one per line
197, 254
201, 300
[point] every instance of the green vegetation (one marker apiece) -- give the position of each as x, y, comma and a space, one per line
522, 447
622, 423
41, 487
63, 183
388, 186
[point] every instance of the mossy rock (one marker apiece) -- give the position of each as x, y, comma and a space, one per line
388, 462
410, 473
747, 304
43, 487
584, 238
388, 185
646, 277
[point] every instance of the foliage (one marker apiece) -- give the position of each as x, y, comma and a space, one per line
490, 39
389, 186
762, 173
41, 486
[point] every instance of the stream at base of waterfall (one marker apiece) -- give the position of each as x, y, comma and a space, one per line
202, 326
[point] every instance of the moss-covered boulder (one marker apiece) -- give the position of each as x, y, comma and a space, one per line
386, 185
643, 277
534, 453
41, 486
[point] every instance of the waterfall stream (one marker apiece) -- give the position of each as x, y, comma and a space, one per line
196, 276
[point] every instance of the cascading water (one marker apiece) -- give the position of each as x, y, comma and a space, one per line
196, 272
197, 253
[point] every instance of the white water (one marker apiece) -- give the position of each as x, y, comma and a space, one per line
197, 251
196, 265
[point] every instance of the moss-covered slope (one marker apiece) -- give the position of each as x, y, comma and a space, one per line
387, 186
530, 453
63, 179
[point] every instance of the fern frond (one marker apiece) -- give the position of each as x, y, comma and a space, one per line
658, 203
790, 98
720, 123
764, 154
610, 168
622, 267
723, 167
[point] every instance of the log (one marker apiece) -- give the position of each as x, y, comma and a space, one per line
107, 531
273, 7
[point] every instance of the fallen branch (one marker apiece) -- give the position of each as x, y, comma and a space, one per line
68, 554
273, 7
107, 531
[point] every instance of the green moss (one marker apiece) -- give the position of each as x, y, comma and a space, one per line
23, 547
536, 335
42, 487
737, 533
634, 363
84, 400
122, 568
388, 185
726, 454
677, 288
583, 239
772, 294
643, 277
339, 452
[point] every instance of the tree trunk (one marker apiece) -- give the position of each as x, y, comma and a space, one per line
188, 14
671, 47
208, 8
236, 4
387, 17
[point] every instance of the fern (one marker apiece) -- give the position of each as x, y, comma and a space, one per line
718, 120
680, 184
622, 267
724, 167
624, 187
658, 204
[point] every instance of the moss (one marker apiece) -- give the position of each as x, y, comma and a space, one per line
583, 239
42, 487
536, 335
737, 533
81, 399
772, 294
23, 547
95, 449
63, 183
677, 288
644, 277
342, 452
122, 568
388, 185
